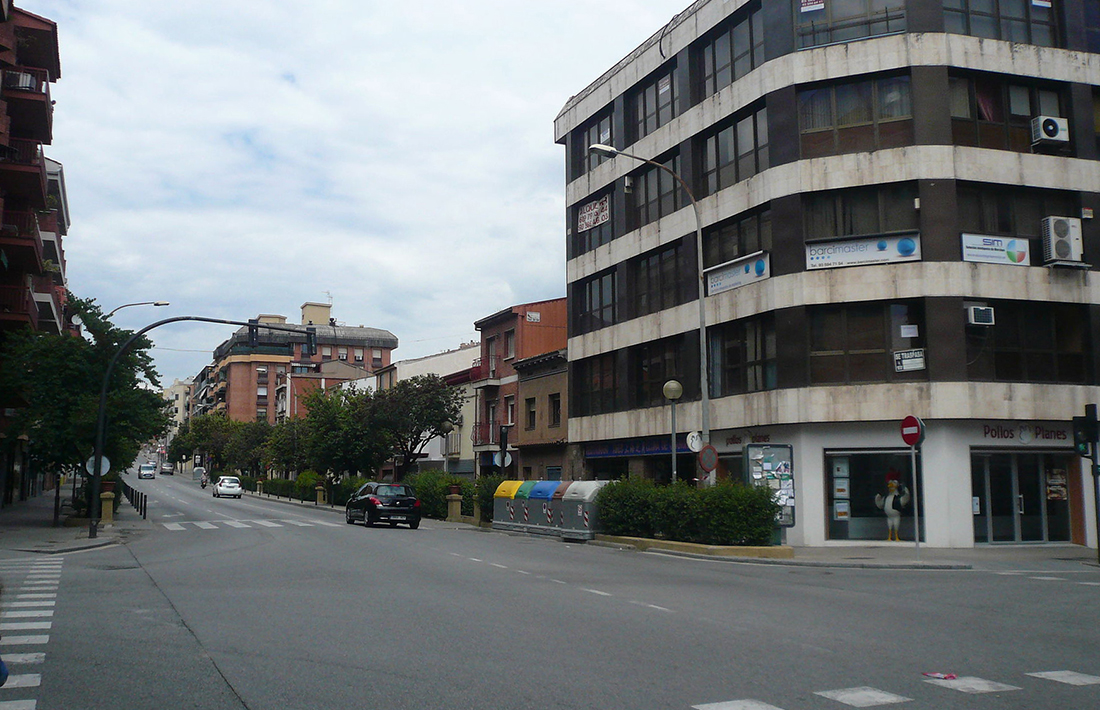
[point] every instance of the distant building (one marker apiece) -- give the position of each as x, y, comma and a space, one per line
508, 336
541, 433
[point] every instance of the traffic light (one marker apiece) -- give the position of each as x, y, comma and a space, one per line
503, 437
310, 348
1085, 431
253, 332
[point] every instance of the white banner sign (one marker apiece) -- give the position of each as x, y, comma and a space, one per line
859, 252
593, 214
738, 273
1041, 3
811, 5
908, 360
995, 250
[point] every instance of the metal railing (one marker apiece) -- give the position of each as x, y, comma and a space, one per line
139, 500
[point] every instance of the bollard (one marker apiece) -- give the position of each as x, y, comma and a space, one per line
454, 508
144, 506
320, 495
259, 488
106, 508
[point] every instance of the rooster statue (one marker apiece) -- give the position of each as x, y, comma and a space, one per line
896, 498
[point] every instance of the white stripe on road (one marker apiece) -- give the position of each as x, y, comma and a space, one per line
235, 523
14, 605
595, 591
298, 523
24, 658
24, 640
205, 526
26, 626
736, 705
1068, 677
24, 680
18, 705
972, 684
267, 523
35, 596
25, 614
173, 526
863, 697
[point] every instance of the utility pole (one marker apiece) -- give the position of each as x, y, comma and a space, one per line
1086, 433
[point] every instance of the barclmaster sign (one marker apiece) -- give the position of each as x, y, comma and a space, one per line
860, 252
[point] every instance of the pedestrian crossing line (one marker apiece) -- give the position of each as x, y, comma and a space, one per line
267, 523
25, 614
18, 704
27, 604
736, 705
24, 640
24, 659
173, 526
205, 526
26, 626
239, 524
298, 523
1067, 677
35, 596
23, 680
863, 697
328, 524
972, 685
235, 523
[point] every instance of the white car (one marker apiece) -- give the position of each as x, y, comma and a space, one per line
147, 470
228, 486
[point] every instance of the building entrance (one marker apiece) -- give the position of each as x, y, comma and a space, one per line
1020, 497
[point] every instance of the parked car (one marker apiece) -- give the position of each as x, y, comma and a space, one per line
376, 502
147, 470
168, 468
228, 486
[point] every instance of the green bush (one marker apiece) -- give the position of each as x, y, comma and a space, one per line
486, 488
727, 514
279, 487
305, 485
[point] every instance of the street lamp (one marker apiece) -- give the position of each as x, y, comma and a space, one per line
673, 390
704, 380
444, 430
140, 303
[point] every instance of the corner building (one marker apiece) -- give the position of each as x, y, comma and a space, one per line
897, 202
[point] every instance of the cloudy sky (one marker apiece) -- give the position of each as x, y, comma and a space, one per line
240, 157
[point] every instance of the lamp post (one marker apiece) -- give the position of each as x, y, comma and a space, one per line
704, 380
140, 303
444, 430
673, 390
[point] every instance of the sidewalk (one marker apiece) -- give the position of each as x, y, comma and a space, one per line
27, 526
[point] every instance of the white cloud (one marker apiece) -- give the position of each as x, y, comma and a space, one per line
244, 157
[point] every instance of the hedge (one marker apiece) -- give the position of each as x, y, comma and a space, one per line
726, 514
432, 488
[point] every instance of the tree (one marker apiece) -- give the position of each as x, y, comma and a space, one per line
246, 446
58, 378
210, 434
343, 433
285, 450
413, 412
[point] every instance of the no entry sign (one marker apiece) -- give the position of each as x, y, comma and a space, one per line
912, 430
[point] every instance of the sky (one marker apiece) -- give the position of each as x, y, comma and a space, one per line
241, 157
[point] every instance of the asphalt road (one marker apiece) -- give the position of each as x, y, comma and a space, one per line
256, 604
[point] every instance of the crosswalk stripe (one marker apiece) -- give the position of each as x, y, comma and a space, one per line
736, 705
18, 704
24, 658
28, 614
23, 640
28, 604
329, 525
267, 523
35, 596
216, 524
298, 523
1067, 677
173, 526
972, 684
24, 680
863, 697
26, 625
235, 523
205, 526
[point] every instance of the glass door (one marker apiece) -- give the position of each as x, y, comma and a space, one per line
1020, 497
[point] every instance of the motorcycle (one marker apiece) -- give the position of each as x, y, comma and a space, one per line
203, 484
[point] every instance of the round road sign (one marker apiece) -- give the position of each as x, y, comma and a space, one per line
708, 458
104, 465
912, 430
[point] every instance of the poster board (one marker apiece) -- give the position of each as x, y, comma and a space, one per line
772, 465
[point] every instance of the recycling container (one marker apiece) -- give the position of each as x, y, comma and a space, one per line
579, 516
541, 519
523, 509
557, 510
504, 512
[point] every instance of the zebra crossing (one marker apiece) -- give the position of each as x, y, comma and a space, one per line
869, 697
26, 615
239, 524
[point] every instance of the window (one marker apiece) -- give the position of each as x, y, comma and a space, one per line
376, 357
657, 282
855, 478
1031, 342
742, 356
358, 354
529, 410
653, 103
261, 414
555, 409
731, 52
1022, 21
738, 237
860, 211
735, 152
656, 193
595, 225
598, 130
1092, 27
261, 392
654, 364
858, 116
594, 385
1006, 211
596, 303
510, 343
510, 409
855, 342
989, 112
845, 20
326, 352
342, 354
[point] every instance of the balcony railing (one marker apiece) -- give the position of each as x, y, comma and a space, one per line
28, 79
24, 152
484, 368
17, 301
485, 433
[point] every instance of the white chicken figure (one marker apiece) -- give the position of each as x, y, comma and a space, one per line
896, 498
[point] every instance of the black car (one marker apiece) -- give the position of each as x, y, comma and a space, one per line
376, 502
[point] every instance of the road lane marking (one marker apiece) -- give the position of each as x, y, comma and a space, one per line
24, 605
18, 705
298, 523
25, 614
863, 697
266, 523
35, 596
24, 640
235, 523
1049, 579
205, 526
173, 526
972, 685
494, 564
25, 659
1068, 677
736, 705
24, 680
595, 591
26, 626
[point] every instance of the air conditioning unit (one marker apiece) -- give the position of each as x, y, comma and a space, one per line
1047, 130
1062, 239
980, 315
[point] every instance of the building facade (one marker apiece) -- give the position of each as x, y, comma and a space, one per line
35, 215
541, 440
508, 336
897, 205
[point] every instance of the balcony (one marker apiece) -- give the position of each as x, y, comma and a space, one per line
486, 433
22, 241
50, 299
23, 171
27, 93
17, 307
483, 373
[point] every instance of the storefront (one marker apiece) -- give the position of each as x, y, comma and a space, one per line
975, 482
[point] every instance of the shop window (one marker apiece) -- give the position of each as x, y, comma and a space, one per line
845, 20
743, 356
731, 52
856, 116
860, 342
529, 412
1023, 21
596, 303
653, 103
1031, 342
858, 490
655, 193
990, 112
734, 152
737, 237
854, 212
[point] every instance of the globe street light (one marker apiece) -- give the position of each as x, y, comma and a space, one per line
704, 380
140, 303
673, 390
